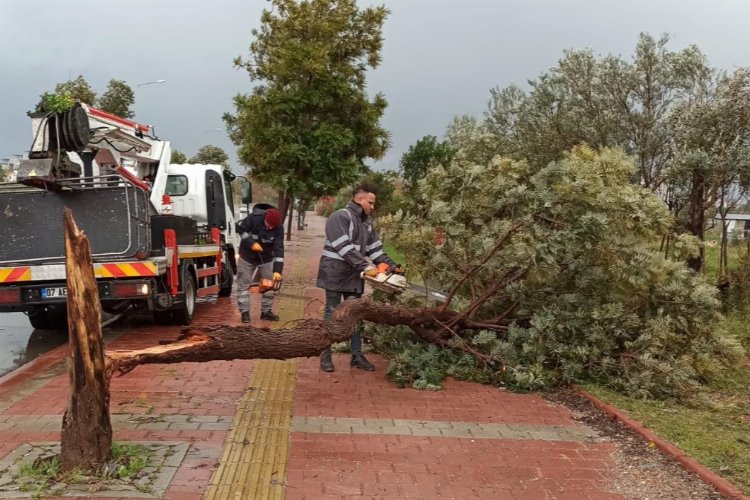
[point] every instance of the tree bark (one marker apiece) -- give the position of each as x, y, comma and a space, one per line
696, 217
86, 440
307, 338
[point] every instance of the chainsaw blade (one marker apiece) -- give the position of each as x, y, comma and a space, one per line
397, 284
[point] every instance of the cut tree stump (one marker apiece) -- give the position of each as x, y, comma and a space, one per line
86, 441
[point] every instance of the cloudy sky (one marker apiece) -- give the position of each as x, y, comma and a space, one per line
440, 57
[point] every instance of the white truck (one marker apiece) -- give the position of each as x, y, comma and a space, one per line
161, 235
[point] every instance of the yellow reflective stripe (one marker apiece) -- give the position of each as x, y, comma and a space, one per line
126, 269
13, 274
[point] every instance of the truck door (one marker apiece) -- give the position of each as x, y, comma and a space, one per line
215, 209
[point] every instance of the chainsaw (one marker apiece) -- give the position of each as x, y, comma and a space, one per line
394, 282
262, 285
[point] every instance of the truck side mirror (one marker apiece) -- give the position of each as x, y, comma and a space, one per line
246, 191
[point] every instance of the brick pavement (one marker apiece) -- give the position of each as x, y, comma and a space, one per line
343, 435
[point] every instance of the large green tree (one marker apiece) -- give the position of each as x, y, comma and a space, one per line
117, 99
78, 89
426, 153
644, 105
712, 160
211, 155
178, 157
308, 125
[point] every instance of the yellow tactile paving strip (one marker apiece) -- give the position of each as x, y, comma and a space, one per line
256, 449
253, 464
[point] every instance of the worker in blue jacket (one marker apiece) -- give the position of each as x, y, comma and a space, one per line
261, 257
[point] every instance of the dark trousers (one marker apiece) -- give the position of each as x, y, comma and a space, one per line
333, 299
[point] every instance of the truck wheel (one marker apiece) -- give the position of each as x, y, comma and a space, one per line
38, 319
225, 286
183, 315
163, 317
49, 318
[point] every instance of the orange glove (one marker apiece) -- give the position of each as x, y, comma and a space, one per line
255, 247
371, 272
277, 276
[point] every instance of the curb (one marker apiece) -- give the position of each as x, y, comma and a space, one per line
36, 365
724, 487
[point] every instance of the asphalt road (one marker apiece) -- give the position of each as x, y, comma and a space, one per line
20, 343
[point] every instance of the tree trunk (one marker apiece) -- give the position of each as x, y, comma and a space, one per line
86, 429
289, 220
696, 217
307, 338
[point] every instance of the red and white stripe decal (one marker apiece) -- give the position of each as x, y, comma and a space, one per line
98, 113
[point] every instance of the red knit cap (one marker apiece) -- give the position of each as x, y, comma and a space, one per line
273, 217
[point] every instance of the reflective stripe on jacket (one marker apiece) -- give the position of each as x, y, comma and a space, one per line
351, 239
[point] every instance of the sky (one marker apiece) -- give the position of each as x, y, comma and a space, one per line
440, 57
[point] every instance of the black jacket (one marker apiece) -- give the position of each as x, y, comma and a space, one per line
253, 228
351, 239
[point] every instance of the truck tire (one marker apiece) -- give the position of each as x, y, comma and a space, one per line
163, 317
49, 318
227, 278
183, 314
38, 319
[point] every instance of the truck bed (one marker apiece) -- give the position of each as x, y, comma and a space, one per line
113, 214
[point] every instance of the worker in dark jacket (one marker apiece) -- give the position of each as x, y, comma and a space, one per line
350, 249
261, 257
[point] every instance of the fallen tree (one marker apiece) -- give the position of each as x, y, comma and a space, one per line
306, 338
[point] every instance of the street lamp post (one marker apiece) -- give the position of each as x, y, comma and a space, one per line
150, 83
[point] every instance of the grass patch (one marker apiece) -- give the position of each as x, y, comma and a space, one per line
713, 425
43, 477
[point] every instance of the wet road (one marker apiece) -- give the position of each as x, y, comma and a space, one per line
20, 343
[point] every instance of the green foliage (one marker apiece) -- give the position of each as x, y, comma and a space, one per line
211, 155
117, 99
55, 103
79, 89
308, 124
566, 253
425, 366
421, 156
178, 157
602, 102
132, 458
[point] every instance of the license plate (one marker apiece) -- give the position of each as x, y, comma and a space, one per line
52, 293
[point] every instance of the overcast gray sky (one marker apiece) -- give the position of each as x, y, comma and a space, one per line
440, 57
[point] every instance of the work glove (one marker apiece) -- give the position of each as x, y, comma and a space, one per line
371, 271
397, 269
277, 276
255, 247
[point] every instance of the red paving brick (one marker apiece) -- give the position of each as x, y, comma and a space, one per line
372, 395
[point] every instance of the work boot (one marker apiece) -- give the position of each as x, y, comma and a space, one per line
246, 317
269, 315
360, 361
326, 363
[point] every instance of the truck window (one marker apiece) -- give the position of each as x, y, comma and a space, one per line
177, 185
228, 194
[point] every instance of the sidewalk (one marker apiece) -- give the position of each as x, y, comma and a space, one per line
284, 429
